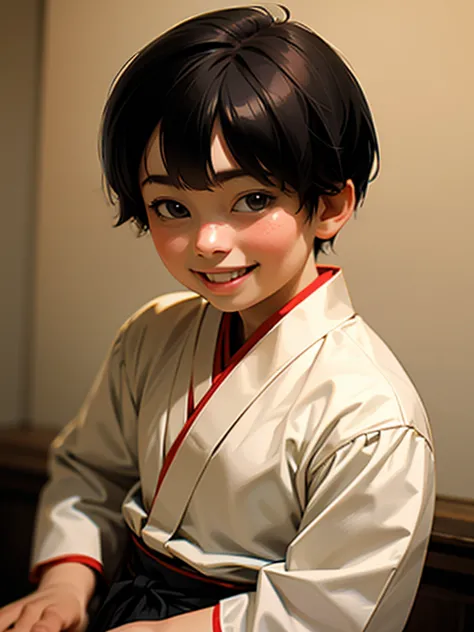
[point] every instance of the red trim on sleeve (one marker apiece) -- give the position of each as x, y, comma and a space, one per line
326, 273
216, 618
37, 571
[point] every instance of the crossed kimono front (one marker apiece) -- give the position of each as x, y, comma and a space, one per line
301, 472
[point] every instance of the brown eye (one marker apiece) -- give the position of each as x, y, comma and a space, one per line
253, 202
169, 209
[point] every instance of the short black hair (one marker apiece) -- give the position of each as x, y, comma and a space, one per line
289, 107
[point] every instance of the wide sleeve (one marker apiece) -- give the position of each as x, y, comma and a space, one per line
93, 464
357, 559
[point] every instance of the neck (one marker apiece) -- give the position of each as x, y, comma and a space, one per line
254, 316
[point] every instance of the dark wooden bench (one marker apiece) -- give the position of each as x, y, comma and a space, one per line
445, 600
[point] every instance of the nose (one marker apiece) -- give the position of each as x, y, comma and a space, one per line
212, 239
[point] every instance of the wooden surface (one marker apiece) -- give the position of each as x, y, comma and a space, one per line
25, 449
454, 521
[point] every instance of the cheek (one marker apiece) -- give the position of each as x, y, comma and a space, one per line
168, 245
275, 233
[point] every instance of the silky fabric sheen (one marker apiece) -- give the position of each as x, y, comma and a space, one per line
305, 468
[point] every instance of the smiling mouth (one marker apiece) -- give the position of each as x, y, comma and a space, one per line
226, 277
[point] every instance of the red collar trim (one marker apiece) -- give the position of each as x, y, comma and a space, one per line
222, 357
325, 274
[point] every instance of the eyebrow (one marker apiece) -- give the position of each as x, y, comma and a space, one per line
220, 178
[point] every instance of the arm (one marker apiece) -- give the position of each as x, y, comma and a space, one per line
78, 577
79, 528
92, 467
356, 561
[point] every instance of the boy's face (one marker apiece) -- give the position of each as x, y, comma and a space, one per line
242, 246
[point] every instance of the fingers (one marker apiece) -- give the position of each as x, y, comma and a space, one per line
50, 621
44, 611
27, 617
10, 614
33, 617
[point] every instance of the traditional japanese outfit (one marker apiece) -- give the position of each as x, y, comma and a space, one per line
298, 472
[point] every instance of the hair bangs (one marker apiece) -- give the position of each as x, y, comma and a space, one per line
269, 128
291, 111
249, 129
215, 91
187, 124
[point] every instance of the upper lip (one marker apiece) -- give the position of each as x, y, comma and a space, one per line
221, 270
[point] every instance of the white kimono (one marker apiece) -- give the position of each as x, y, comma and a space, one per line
306, 467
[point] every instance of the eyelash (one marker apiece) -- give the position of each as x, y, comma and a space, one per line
154, 205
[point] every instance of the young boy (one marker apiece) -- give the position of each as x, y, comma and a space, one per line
252, 456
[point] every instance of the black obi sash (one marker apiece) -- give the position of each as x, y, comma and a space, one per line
153, 587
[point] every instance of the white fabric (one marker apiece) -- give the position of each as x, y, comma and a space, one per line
309, 470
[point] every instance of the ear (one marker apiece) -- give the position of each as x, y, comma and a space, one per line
334, 211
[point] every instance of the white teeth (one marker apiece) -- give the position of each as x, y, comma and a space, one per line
225, 277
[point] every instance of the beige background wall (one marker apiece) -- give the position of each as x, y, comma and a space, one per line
408, 256
20, 35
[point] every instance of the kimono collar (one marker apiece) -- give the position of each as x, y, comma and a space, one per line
223, 356
298, 328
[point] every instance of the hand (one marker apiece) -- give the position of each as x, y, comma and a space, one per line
196, 621
49, 609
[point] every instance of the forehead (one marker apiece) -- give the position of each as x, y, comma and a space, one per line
221, 158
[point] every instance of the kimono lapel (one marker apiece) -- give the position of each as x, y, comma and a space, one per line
178, 401
237, 388
204, 356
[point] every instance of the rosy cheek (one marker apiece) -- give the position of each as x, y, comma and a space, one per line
273, 232
168, 245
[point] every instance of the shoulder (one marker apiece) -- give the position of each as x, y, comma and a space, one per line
379, 360
360, 387
162, 312
159, 324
